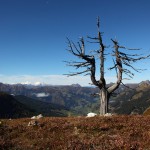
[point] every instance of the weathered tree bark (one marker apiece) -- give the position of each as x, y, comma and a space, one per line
103, 101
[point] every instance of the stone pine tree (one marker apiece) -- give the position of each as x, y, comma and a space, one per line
122, 63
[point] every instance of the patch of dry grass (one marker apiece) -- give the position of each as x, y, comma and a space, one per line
80, 133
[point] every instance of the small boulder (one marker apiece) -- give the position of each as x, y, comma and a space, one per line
34, 117
33, 123
91, 114
39, 116
108, 114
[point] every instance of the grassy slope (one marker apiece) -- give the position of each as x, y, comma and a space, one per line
11, 108
138, 99
22, 106
98, 133
40, 107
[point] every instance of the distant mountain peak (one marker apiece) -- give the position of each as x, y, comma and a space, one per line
76, 85
146, 81
27, 83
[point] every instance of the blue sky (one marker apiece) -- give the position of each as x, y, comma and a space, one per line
33, 35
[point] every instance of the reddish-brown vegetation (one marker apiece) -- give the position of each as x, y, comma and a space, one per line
77, 133
147, 111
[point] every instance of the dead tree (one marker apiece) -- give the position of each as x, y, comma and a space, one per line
123, 64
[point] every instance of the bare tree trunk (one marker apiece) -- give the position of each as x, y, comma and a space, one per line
89, 63
103, 101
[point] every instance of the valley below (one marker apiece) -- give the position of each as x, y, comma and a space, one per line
17, 101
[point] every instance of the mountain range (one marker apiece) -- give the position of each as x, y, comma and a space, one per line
72, 100
133, 100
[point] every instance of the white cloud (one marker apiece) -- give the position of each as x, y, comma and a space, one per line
54, 79
46, 79
42, 95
